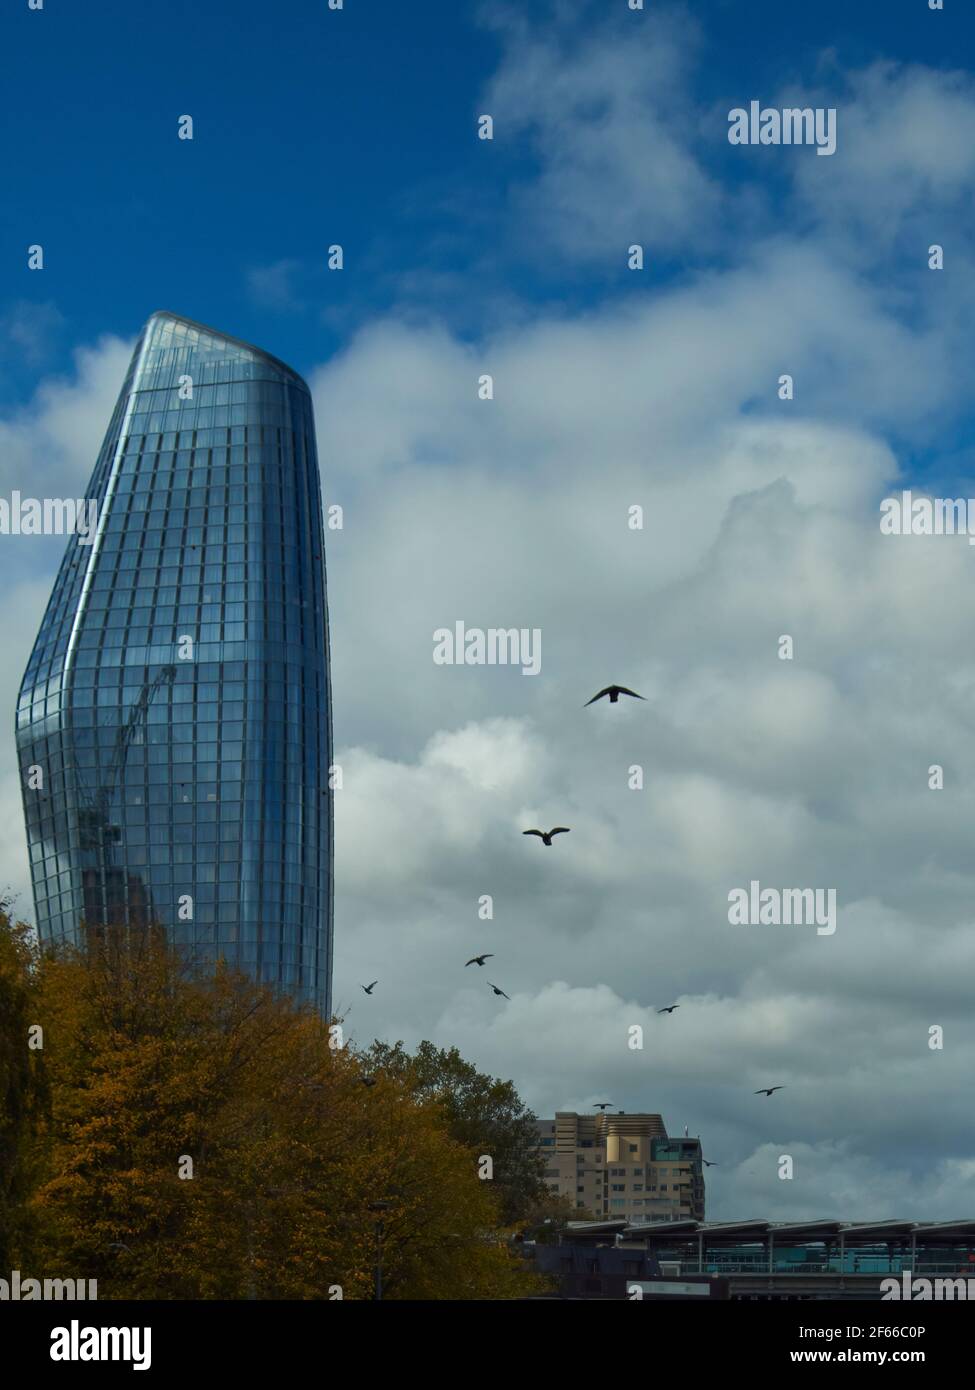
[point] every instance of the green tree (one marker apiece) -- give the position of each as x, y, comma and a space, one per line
546, 1221
483, 1113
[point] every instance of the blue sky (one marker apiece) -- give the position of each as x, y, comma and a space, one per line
315, 126
612, 388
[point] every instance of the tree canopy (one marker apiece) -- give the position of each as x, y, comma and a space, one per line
483, 1113
196, 1135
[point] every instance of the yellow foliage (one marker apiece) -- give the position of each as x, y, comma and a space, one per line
151, 1067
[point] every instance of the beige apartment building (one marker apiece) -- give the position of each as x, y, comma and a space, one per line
623, 1165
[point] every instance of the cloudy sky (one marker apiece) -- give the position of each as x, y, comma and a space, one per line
613, 389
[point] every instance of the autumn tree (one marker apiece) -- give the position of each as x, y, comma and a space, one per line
22, 1081
208, 1138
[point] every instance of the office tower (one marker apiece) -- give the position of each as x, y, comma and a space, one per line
177, 700
622, 1166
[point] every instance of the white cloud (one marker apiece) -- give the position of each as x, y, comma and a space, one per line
49, 448
28, 330
608, 114
810, 773
272, 286
905, 154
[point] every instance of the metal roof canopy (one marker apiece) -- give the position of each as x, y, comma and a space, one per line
810, 1230
685, 1227
721, 1230
853, 1232
758, 1229
964, 1229
581, 1227
739, 1229
879, 1230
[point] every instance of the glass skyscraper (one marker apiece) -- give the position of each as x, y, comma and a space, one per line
174, 721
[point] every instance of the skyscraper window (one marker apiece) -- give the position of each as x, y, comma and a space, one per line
177, 698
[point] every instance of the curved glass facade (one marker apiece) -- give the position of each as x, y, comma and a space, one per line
177, 701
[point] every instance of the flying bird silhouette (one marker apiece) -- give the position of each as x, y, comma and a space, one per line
501, 992
603, 1104
708, 1164
546, 835
368, 989
478, 960
614, 692
767, 1090
669, 1009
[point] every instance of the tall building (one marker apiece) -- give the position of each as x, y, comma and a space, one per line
622, 1166
177, 704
